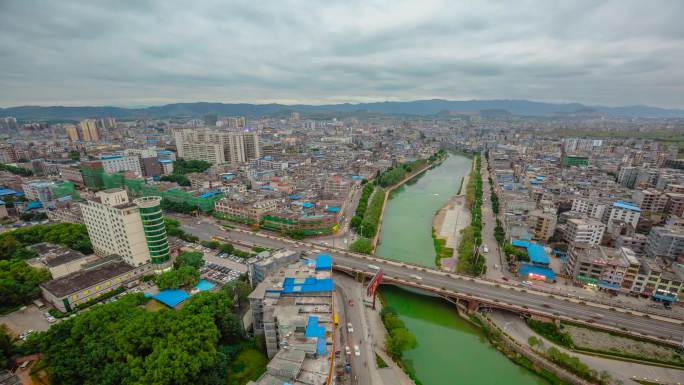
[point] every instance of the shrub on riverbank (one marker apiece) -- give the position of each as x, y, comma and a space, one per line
399, 338
369, 225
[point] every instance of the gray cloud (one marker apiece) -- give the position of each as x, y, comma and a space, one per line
67, 52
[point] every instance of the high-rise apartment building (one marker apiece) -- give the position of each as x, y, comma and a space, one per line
89, 130
131, 230
217, 146
71, 133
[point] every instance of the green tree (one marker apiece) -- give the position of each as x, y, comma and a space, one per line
227, 248
177, 178
398, 341
19, 283
6, 347
184, 276
194, 259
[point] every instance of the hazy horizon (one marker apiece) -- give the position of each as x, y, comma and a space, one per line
149, 53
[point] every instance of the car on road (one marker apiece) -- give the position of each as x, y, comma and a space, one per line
350, 328
357, 352
417, 277
485, 249
528, 283
374, 267
347, 350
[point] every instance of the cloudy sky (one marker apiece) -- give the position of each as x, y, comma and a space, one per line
138, 52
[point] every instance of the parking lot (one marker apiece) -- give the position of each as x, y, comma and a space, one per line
219, 274
31, 318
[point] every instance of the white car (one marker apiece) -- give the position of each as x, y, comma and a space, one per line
347, 350
485, 249
350, 328
23, 336
417, 277
374, 267
357, 352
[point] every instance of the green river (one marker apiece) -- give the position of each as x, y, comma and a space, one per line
450, 351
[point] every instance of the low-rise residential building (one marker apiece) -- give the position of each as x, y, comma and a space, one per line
650, 200
542, 223
584, 231
636, 242
261, 268
599, 266
675, 204
94, 280
245, 210
592, 208
621, 212
666, 241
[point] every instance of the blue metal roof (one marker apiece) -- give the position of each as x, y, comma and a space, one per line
526, 269
307, 285
520, 243
333, 209
295, 196
537, 254
626, 206
608, 285
210, 194
33, 205
7, 191
314, 330
307, 205
323, 262
664, 297
534, 250
171, 297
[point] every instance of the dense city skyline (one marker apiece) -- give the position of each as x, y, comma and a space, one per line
150, 53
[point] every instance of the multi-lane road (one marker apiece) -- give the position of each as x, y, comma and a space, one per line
487, 291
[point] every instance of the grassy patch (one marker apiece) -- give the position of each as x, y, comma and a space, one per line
441, 251
247, 366
551, 332
380, 362
362, 245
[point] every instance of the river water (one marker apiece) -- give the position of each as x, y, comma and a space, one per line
450, 351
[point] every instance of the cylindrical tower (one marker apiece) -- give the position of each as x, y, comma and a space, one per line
155, 229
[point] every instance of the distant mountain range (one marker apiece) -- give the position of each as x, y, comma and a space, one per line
418, 107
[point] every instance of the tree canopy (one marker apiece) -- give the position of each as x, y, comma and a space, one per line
184, 276
74, 236
19, 282
190, 258
182, 166
122, 343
